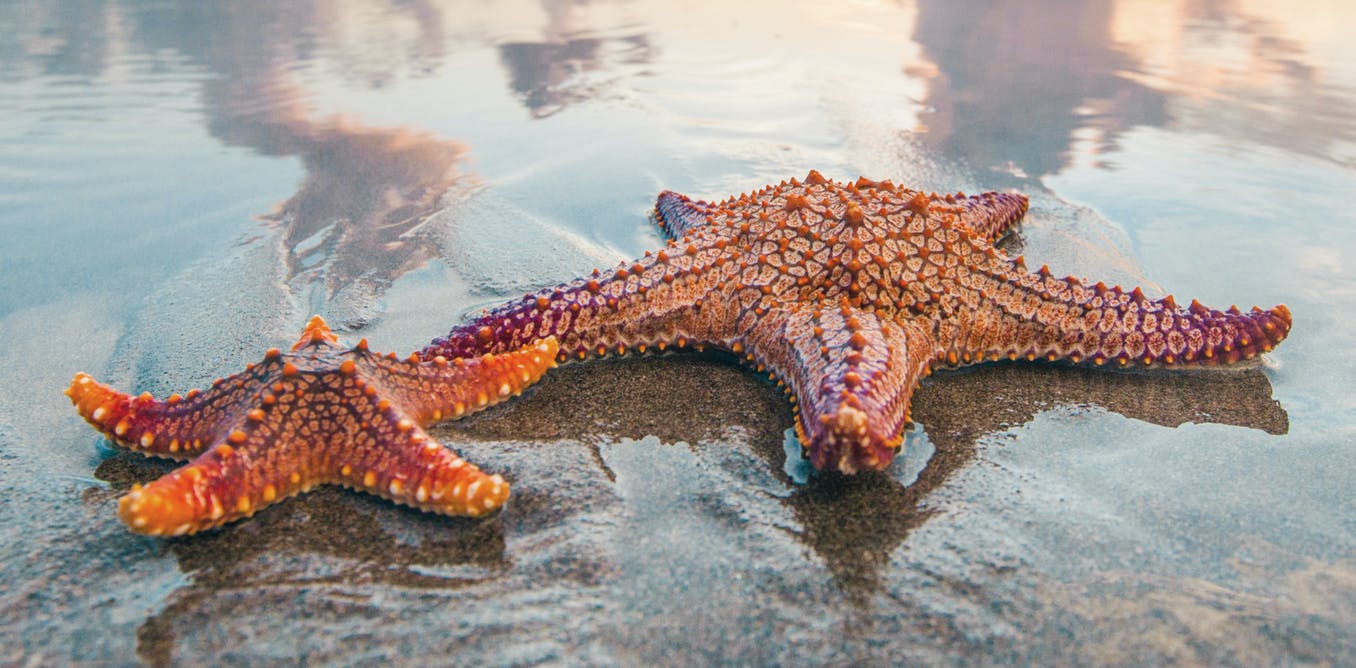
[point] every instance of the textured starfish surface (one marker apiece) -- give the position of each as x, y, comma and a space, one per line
322, 413
851, 293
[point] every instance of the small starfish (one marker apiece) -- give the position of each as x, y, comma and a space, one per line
320, 414
851, 293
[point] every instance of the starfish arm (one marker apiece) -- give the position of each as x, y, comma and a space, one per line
178, 427
211, 490
1034, 315
430, 390
991, 215
852, 375
639, 306
276, 458
407, 466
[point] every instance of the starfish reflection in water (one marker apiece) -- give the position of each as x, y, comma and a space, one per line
848, 293
852, 523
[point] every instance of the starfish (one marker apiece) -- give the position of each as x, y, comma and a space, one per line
322, 413
849, 294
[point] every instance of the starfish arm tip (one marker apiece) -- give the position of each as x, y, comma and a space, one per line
174, 505
109, 411
678, 214
316, 332
454, 389
447, 485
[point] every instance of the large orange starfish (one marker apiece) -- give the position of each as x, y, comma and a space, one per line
850, 293
322, 413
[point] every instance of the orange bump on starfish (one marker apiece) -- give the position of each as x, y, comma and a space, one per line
320, 414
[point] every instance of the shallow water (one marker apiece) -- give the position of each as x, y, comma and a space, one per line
182, 184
